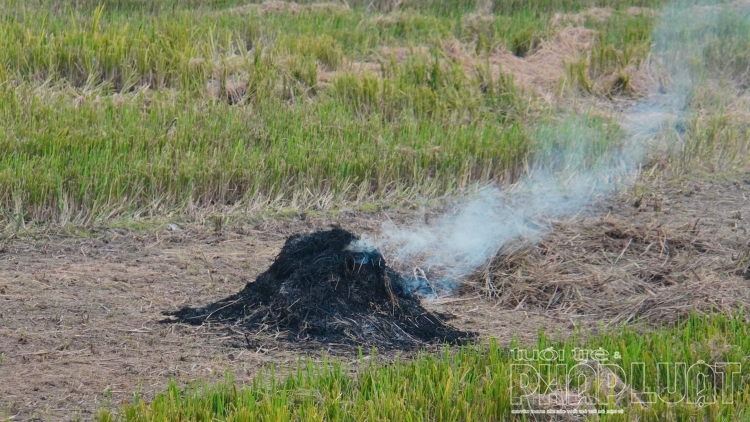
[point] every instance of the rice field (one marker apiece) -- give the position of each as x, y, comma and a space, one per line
151, 108
140, 110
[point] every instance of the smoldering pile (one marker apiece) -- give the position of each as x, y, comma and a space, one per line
330, 287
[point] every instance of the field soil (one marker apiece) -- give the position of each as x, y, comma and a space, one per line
80, 315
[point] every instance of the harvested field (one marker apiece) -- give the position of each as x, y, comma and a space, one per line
231, 165
80, 315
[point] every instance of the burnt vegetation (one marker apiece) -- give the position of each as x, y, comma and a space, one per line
326, 287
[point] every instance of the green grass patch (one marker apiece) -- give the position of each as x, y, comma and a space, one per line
475, 382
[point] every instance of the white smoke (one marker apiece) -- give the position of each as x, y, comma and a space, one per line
460, 241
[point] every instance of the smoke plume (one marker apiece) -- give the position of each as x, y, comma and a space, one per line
571, 166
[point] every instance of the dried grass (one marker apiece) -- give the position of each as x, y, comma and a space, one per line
355, 67
540, 71
596, 14
638, 262
270, 7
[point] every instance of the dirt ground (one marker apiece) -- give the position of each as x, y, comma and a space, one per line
79, 316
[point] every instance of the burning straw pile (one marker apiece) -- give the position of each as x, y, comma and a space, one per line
329, 287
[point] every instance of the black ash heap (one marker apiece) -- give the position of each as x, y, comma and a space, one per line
331, 287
